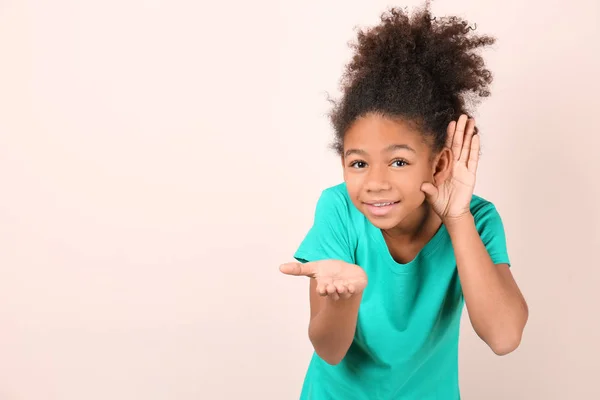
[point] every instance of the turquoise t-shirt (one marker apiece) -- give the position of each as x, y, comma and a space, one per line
406, 341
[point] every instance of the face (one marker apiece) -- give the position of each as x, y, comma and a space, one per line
385, 163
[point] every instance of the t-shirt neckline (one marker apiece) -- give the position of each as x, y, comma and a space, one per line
429, 248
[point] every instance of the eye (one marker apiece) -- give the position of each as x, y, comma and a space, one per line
358, 164
399, 163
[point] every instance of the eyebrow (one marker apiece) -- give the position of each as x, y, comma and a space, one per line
388, 149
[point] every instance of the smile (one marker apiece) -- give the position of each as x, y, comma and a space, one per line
383, 204
380, 208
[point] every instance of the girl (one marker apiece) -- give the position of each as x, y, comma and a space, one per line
397, 248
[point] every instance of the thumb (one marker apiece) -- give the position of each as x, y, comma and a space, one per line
297, 269
431, 192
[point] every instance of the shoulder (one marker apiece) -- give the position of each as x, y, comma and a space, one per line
491, 228
337, 194
335, 199
332, 234
480, 204
336, 207
483, 211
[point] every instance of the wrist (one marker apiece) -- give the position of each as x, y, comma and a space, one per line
458, 222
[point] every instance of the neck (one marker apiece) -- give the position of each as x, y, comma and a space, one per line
421, 224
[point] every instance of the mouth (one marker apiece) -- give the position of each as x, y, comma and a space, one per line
382, 203
380, 208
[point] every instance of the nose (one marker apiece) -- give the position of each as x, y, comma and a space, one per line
377, 180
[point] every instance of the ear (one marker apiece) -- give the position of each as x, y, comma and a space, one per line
442, 167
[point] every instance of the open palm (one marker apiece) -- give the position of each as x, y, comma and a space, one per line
335, 278
452, 198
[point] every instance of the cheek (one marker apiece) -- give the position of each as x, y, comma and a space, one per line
353, 188
354, 181
410, 188
411, 183
416, 195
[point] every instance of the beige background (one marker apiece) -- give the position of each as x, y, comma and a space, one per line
160, 159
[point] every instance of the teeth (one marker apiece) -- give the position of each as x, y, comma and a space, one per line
381, 204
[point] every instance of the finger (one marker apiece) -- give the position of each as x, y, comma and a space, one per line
322, 284
450, 134
332, 292
431, 192
351, 288
297, 269
466, 148
459, 136
340, 287
474, 155
331, 289
322, 289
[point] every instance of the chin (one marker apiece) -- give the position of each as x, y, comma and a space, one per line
383, 222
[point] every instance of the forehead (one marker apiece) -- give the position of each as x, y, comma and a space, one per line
373, 133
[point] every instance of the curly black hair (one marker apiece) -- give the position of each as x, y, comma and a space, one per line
420, 69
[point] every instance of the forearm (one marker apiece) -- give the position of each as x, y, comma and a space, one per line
495, 305
332, 330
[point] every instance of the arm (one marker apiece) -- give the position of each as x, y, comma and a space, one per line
337, 283
336, 289
496, 307
332, 324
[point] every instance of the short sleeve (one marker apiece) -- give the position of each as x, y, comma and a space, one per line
491, 230
330, 236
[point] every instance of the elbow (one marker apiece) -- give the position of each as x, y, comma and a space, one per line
508, 339
330, 349
332, 356
505, 345
331, 360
